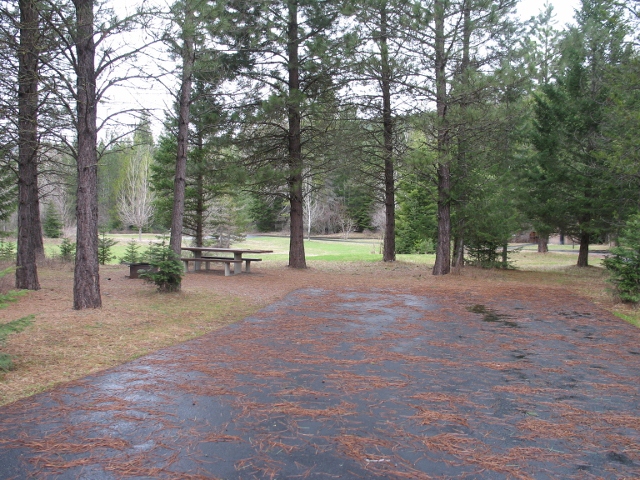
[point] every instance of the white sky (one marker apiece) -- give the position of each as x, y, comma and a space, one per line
563, 9
156, 97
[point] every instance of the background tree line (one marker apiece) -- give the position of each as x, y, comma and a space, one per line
445, 125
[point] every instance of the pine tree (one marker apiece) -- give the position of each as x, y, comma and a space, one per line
577, 190
382, 70
295, 51
185, 12
29, 229
105, 255
52, 224
91, 48
462, 45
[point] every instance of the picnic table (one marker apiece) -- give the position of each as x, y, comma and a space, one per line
227, 260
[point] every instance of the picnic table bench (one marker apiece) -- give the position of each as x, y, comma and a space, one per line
208, 260
227, 261
247, 261
136, 268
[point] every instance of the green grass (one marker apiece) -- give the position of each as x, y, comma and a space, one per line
633, 318
369, 250
52, 245
357, 250
364, 250
532, 260
568, 247
6, 329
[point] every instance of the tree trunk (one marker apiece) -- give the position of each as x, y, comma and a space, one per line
309, 218
200, 211
296, 239
389, 249
583, 254
543, 243
459, 250
188, 59
86, 285
442, 265
443, 248
29, 231
200, 200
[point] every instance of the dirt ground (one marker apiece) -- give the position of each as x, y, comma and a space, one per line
343, 372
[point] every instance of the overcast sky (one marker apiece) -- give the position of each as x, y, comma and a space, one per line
562, 8
155, 97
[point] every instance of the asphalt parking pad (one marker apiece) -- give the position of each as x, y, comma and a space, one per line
355, 384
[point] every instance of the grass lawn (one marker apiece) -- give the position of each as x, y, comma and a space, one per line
52, 245
327, 250
525, 257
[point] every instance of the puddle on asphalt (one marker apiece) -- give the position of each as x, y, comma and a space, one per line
492, 317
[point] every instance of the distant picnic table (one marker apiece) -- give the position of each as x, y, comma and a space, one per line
226, 259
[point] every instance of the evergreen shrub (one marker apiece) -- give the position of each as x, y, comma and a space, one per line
624, 262
166, 268
67, 250
132, 253
52, 225
104, 249
7, 250
485, 253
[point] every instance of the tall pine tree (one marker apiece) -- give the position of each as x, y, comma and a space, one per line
460, 43
575, 186
295, 54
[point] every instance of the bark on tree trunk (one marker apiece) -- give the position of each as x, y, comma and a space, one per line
543, 243
29, 231
583, 254
199, 240
86, 285
389, 249
459, 251
188, 59
308, 219
200, 203
296, 238
442, 265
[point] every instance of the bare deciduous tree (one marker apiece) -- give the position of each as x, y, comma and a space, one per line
347, 223
313, 202
135, 201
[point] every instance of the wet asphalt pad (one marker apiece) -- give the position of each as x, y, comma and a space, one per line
354, 384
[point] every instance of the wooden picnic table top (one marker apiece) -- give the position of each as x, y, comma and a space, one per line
221, 249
